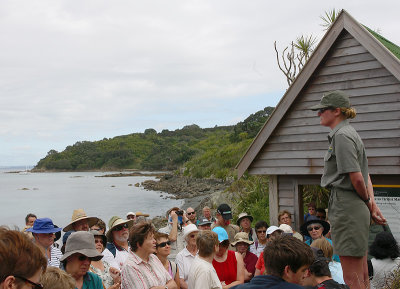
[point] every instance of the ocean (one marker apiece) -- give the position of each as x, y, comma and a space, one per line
56, 195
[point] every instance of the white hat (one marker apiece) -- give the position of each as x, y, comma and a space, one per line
189, 229
286, 229
272, 229
130, 214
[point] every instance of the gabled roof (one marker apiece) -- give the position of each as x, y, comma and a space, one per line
387, 53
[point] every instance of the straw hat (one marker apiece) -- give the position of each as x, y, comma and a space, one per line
78, 215
140, 214
241, 237
114, 222
81, 242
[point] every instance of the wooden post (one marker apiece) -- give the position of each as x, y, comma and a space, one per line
273, 200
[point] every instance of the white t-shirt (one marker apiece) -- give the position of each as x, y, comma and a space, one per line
202, 275
118, 260
184, 260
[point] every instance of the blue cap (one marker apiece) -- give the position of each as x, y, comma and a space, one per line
66, 235
222, 234
43, 226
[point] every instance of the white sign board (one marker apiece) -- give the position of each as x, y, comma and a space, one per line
388, 200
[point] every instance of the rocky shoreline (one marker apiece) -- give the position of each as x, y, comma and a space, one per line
196, 193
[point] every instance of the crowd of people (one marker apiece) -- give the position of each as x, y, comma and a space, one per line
189, 252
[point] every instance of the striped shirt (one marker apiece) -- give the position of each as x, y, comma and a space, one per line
140, 274
55, 256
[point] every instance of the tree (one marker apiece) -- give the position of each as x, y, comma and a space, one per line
294, 56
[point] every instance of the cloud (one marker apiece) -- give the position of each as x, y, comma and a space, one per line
85, 70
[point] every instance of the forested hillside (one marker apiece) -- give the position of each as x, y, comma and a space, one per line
199, 152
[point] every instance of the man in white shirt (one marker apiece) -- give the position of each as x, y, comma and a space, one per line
117, 250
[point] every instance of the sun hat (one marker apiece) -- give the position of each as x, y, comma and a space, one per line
140, 214
286, 229
189, 229
314, 220
98, 234
225, 211
204, 221
78, 215
222, 234
130, 214
43, 226
114, 222
334, 99
242, 216
241, 237
66, 236
81, 242
57, 234
272, 229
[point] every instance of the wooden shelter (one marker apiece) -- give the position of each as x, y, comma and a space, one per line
291, 145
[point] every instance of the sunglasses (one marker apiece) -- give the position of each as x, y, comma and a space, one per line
83, 258
261, 231
34, 285
322, 110
163, 244
120, 227
316, 228
191, 213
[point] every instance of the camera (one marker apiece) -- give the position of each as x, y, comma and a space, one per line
179, 213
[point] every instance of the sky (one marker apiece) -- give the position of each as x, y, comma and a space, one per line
85, 70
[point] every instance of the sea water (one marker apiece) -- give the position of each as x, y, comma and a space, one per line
56, 195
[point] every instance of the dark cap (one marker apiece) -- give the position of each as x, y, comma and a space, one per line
225, 211
204, 221
333, 99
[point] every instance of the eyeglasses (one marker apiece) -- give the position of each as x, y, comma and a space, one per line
120, 227
316, 228
84, 258
322, 110
191, 213
261, 231
34, 285
163, 244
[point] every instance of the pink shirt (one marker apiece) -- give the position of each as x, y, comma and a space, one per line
139, 274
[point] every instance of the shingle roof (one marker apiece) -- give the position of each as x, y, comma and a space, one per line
388, 44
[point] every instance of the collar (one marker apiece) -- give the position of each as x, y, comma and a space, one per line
119, 248
87, 277
139, 260
336, 128
186, 253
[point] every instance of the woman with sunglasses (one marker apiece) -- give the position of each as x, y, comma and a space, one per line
110, 276
163, 249
258, 246
314, 229
22, 262
351, 202
80, 250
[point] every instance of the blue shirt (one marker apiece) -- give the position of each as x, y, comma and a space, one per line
267, 282
92, 281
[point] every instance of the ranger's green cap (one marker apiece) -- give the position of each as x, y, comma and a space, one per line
334, 99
